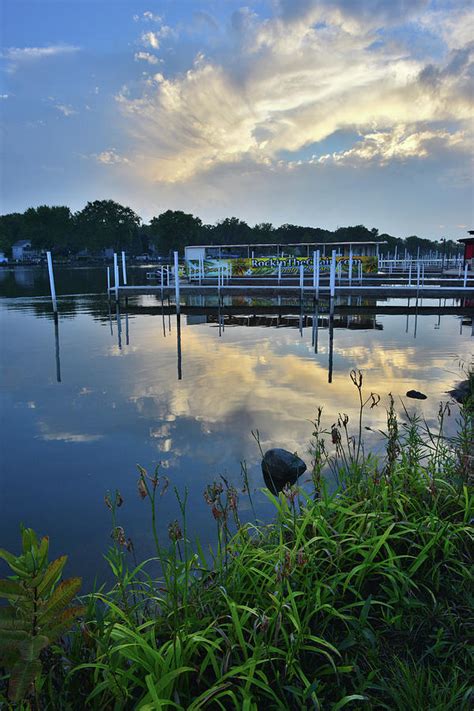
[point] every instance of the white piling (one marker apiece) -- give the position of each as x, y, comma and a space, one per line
317, 258
350, 267
108, 281
279, 273
332, 274
116, 275
409, 274
124, 269
176, 282
51, 281
301, 280
465, 277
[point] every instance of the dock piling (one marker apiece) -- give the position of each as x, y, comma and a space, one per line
116, 276
176, 282
124, 269
51, 281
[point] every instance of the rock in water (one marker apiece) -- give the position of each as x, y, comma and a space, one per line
281, 467
461, 392
416, 395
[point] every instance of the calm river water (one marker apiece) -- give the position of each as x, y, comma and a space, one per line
84, 402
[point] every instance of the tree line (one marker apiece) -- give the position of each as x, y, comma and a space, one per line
104, 224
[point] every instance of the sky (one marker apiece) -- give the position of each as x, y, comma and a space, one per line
323, 113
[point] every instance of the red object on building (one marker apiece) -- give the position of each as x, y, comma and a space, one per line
468, 243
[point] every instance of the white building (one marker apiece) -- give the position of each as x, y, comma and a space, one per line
20, 249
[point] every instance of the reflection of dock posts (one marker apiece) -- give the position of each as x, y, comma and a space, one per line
301, 317
332, 275
178, 343
51, 282
331, 340
119, 323
439, 316
124, 269
56, 338
315, 325
116, 276
163, 317
176, 282
110, 319
416, 316
127, 339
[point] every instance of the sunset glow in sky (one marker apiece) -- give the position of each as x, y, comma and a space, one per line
315, 112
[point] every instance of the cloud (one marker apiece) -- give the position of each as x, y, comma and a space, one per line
23, 55
146, 57
400, 144
109, 157
290, 83
352, 15
150, 39
65, 109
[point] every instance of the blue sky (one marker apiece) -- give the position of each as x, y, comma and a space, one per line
316, 112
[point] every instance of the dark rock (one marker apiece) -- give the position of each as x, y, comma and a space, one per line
461, 392
416, 395
280, 467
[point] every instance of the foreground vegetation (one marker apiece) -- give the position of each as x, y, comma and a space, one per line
357, 599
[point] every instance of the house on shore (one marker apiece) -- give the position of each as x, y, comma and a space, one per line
23, 252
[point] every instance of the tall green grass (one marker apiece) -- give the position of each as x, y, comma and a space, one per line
359, 599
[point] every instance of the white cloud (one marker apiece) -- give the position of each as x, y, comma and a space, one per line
147, 15
22, 55
109, 157
289, 84
146, 57
4, 96
150, 39
65, 109
400, 144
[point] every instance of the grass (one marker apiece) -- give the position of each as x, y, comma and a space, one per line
356, 599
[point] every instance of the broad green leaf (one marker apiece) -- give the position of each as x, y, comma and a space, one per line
22, 676
60, 598
30, 648
51, 576
11, 589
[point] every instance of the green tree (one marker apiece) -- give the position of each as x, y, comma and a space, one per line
173, 230
104, 224
264, 232
11, 230
48, 227
232, 231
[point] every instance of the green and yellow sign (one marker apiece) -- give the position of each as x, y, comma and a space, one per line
272, 266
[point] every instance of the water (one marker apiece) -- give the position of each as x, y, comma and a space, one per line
82, 404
